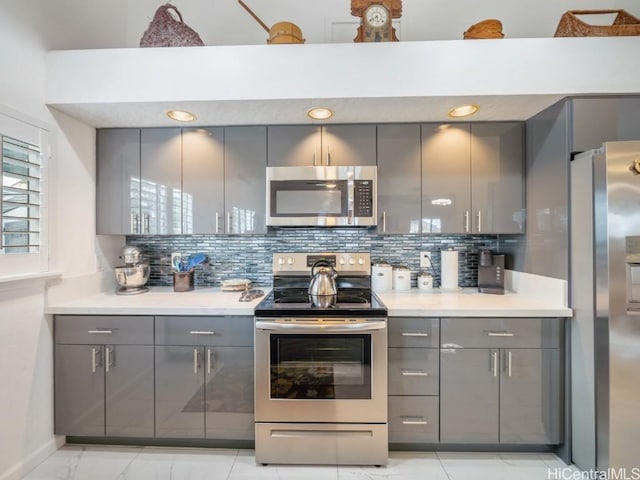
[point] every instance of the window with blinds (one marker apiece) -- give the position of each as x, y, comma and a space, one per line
21, 197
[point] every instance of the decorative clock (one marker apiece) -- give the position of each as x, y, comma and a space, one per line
375, 19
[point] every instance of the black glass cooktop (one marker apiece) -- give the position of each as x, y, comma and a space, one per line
295, 301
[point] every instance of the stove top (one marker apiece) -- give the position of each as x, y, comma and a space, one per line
295, 302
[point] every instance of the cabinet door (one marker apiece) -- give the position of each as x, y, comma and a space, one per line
245, 179
202, 180
129, 390
497, 172
446, 178
295, 145
180, 401
531, 396
469, 389
348, 145
118, 181
79, 390
229, 393
399, 178
161, 178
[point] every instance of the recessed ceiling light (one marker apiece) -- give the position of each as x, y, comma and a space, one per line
463, 111
320, 113
181, 115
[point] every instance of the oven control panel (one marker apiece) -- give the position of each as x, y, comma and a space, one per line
301, 263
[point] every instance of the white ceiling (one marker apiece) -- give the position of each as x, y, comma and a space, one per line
93, 24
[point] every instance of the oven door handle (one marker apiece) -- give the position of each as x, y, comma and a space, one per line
336, 327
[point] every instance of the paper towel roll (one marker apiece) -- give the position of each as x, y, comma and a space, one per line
449, 270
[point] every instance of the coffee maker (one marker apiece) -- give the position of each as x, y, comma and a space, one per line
491, 273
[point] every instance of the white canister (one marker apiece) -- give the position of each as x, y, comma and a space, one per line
425, 281
401, 278
381, 277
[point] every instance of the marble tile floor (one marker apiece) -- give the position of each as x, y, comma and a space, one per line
77, 462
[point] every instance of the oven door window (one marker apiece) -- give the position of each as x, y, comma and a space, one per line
320, 366
308, 198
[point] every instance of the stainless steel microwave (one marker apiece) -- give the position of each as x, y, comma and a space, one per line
322, 196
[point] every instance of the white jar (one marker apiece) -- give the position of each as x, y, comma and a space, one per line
425, 281
401, 278
381, 277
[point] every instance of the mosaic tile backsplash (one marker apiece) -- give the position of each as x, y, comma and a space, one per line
250, 256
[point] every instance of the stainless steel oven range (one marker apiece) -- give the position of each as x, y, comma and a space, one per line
321, 372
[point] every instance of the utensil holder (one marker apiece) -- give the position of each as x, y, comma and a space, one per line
183, 281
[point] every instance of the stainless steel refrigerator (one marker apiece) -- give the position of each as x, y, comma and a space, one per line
605, 296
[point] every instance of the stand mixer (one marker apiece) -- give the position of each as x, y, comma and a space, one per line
134, 274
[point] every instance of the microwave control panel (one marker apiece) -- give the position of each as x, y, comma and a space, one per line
363, 198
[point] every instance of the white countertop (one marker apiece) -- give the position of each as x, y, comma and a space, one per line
160, 301
211, 301
468, 302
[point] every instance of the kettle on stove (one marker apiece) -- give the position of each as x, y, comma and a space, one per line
322, 288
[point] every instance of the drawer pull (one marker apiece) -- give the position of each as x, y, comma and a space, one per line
414, 422
103, 332
500, 334
414, 373
202, 332
409, 334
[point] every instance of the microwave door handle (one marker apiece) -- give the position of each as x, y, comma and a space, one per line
350, 197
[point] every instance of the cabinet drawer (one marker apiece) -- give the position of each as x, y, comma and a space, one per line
414, 419
414, 332
501, 332
237, 331
103, 329
413, 371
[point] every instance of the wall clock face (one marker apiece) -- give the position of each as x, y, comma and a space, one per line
376, 16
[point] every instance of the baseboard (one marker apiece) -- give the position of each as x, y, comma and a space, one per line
27, 464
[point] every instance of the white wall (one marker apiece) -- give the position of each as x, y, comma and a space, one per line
26, 345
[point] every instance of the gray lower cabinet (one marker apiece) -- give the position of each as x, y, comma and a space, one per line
501, 381
414, 378
104, 376
204, 377
399, 180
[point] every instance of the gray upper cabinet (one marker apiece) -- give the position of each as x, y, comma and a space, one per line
118, 181
497, 178
294, 145
310, 145
202, 180
245, 179
161, 180
446, 178
349, 145
472, 178
399, 178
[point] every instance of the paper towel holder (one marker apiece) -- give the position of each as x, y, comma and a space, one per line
449, 270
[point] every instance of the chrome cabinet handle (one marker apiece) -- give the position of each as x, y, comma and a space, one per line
195, 360
479, 221
217, 222
384, 222
107, 361
414, 373
495, 363
500, 334
509, 364
229, 222
328, 157
414, 422
410, 334
315, 157
93, 360
100, 332
202, 332
209, 360
466, 221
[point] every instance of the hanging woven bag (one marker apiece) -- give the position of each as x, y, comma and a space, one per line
167, 31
